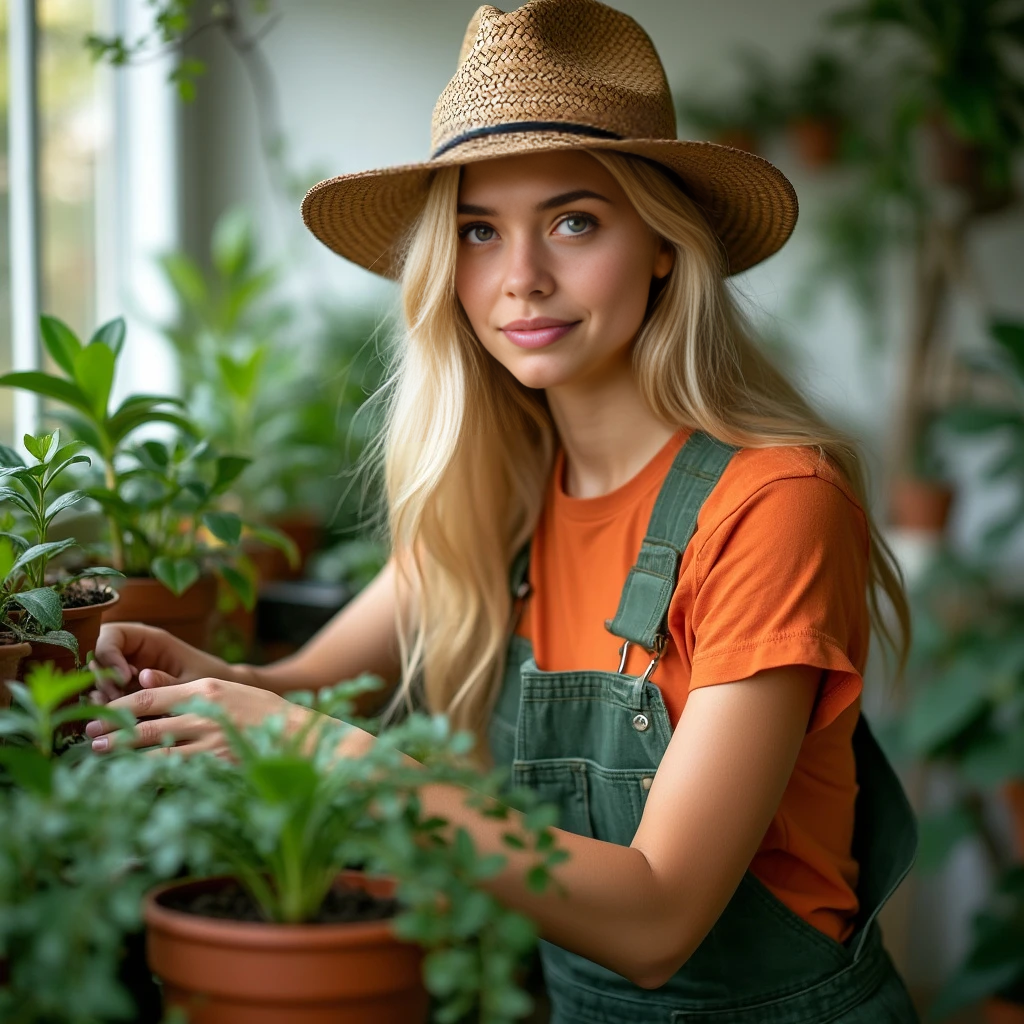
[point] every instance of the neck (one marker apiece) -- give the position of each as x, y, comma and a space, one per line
607, 432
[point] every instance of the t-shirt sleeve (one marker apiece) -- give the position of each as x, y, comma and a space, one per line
782, 582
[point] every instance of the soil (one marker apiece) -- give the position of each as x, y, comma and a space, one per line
7, 638
344, 905
82, 594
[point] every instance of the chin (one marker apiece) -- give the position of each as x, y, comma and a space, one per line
539, 377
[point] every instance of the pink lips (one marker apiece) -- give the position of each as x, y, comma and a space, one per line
538, 332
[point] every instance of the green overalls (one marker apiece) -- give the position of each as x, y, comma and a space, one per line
591, 740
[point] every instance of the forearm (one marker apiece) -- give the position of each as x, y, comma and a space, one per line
607, 904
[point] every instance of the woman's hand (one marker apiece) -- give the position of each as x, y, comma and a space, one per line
191, 733
145, 656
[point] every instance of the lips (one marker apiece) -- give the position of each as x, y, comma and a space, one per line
537, 332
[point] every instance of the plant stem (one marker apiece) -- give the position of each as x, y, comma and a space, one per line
116, 538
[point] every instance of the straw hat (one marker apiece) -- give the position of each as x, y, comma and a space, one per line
556, 74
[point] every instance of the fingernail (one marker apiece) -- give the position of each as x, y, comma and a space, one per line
100, 744
92, 728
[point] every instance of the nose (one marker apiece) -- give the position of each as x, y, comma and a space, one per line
526, 272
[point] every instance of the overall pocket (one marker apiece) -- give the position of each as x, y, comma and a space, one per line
563, 782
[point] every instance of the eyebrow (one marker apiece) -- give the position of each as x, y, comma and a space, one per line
548, 204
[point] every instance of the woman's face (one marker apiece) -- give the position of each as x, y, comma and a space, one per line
554, 266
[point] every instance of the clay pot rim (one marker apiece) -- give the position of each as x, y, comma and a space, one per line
215, 931
83, 611
11, 648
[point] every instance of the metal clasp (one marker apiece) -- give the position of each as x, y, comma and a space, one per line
660, 640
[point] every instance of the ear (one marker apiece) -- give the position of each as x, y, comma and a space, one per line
665, 260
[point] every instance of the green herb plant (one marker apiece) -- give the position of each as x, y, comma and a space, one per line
26, 488
155, 496
289, 814
82, 838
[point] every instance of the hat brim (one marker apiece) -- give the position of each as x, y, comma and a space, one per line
748, 201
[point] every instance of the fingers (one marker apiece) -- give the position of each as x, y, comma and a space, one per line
155, 702
207, 745
155, 732
155, 677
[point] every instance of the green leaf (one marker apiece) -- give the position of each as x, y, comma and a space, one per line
228, 469
61, 342
61, 638
225, 526
19, 499
37, 447
49, 387
241, 585
1000, 758
945, 706
112, 335
29, 768
49, 687
122, 424
177, 574
10, 459
94, 373
48, 550
7, 556
186, 279
979, 419
938, 834
1009, 335
43, 604
276, 539
232, 243
63, 502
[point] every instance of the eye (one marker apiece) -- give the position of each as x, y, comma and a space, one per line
576, 224
477, 233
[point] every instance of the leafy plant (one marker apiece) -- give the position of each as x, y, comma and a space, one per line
288, 815
26, 488
155, 496
81, 840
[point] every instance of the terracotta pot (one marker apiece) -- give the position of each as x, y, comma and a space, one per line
999, 1011
187, 617
961, 164
918, 504
816, 140
305, 528
84, 623
10, 659
234, 972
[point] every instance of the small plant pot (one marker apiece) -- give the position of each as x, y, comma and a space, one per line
918, 504
305, 529
84, 622
233, 972
816, 140
11, 656
187, 617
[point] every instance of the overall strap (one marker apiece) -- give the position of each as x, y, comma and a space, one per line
643, 606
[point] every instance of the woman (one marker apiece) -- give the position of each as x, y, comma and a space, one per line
627, 552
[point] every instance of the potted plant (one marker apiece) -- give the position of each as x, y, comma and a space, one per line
967, 677
82, 838
274, 830
817, 114
156, 497
67, 604
746, 118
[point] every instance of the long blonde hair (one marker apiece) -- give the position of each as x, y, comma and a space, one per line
467, 449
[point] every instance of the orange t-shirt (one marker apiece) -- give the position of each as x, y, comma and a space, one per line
775, 574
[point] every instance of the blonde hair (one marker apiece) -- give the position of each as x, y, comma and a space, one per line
467, 449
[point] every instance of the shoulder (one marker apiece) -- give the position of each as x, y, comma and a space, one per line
782, 491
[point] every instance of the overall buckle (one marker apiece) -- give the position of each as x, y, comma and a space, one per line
660, 641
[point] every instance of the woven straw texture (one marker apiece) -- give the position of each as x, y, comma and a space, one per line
570, 61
